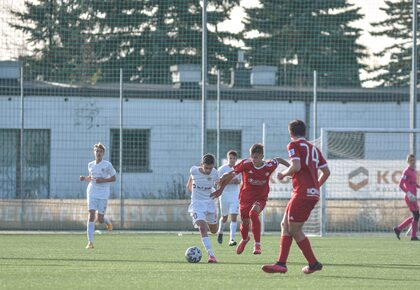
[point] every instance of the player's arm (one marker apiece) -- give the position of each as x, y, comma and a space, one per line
401, 184
104, 180
235, 181
189, 184
289, 171
85, 178
282, 161
223, 181
325, 173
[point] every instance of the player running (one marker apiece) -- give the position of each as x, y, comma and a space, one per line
229, 201
306, 160
408, 184
101, 173
253, 194
203, 209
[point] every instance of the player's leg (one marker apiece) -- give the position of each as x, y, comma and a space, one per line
199, 221
223, 219
102, 217
415, 225
285, 245
412, 206
300, 210
256, 225
402, 226
202, 227
233, 211
221, 227
233, 226
90, 227
211, 219
244, 228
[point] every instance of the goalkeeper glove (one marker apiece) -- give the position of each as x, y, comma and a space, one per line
411, 197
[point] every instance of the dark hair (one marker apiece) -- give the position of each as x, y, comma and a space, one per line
232, 152
208, 159
410, 155
256, 148
297, 128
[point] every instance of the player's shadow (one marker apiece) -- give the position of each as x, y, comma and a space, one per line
402, 279
376, 266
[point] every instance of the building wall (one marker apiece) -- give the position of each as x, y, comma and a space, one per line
76, 123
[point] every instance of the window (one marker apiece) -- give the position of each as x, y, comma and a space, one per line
346, 145
229, 140
36, 163
136, 150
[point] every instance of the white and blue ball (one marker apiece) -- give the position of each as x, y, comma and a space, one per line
193, 254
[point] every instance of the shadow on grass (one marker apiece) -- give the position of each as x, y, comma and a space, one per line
377, 266
402, 279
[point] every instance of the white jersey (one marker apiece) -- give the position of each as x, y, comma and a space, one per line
202, 184
102, 169
231, 189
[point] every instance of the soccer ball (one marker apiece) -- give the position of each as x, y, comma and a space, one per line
193, 254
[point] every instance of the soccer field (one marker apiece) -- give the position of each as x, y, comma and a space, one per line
156, 261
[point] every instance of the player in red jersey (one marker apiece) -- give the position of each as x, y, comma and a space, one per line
306, 160
253, 193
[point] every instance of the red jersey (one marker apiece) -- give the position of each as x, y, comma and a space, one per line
255, 180
305, 181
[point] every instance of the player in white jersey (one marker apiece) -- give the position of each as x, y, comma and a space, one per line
203, 208
229, 200
101, 173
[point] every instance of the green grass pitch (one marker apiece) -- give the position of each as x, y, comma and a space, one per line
156, 261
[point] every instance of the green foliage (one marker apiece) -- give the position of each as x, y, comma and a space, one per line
57, 30
302, 36
89, 41
398, 27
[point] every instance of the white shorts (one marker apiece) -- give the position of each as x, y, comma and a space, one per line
203, 211
229, 205
97, 204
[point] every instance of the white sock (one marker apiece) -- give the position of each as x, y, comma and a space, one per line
221, 226
106, 220
233, 226
206, 244
90, 230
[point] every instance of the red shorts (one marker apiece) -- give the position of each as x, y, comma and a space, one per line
412, 205
299, 209
245, 208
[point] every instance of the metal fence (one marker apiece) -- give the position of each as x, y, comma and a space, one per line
130, 74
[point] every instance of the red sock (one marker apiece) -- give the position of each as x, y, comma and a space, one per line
256, 225
305, 247
285, 244
244, 229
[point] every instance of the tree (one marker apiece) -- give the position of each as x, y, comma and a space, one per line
77, 40
147, 37
306, 35
397, 26
57, 31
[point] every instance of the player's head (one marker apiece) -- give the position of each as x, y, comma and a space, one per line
297, 129
411, 160
256, 152
207, 163
99, 150
232, 157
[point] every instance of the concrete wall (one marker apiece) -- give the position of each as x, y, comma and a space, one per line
76, 123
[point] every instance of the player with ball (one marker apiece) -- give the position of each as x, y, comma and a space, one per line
203, 208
